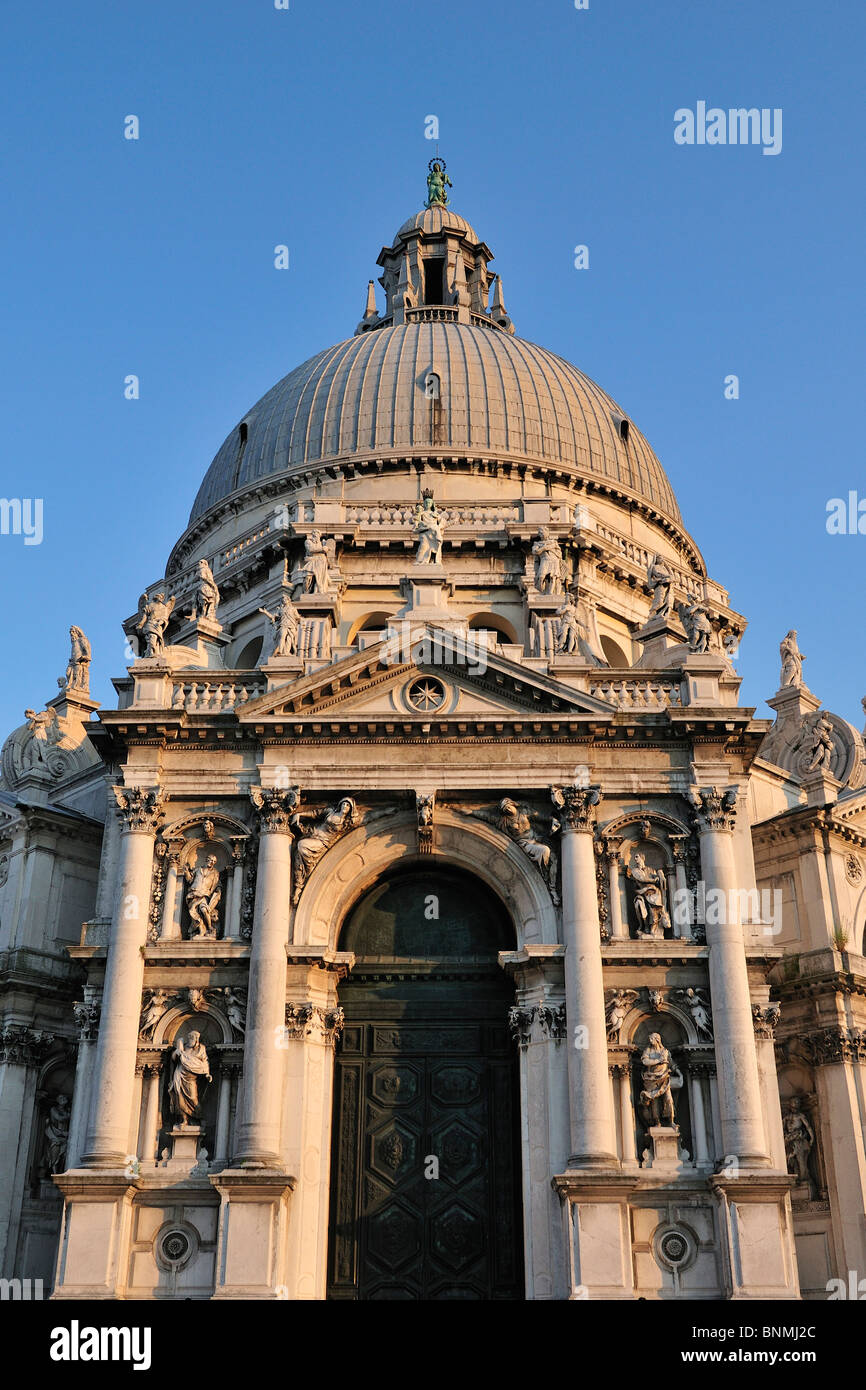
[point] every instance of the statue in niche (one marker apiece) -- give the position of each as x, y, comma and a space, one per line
792, 660
659, 579
189, 1063
799, 1141
650, 887
517, 822
549, 564
659, 1077
45, 734
203, 897
153, 619
617, 1009
325, 830
429, 527
207, 596
152, 1013
311, 575
286, 624
695, 618
57, 1134
78, 669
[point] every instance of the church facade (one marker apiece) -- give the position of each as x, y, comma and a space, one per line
428, 919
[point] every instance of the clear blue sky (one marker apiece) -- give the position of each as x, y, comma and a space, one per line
306, 127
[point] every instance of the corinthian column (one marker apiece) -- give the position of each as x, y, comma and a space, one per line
140, 811
593, 1137
736, 1055
258, 1137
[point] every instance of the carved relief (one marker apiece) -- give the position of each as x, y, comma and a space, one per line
425, 805
576, 806
765, 1017
618, 1002
550, 1022
140, 808
323, 829
517, 822
697, 1004
714, 809
275, 806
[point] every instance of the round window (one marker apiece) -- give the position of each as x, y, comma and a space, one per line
426, 694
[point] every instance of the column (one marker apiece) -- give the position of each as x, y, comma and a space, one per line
699, 1119
678, 848
150, 1122
170, 927
593, 1136
736, 1057
258, 1138
140, 810
223, 1112
618, 928
626, 1114
233, 907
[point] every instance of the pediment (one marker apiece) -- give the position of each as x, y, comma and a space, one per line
384, 683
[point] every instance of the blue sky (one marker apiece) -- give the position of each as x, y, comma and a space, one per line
306, 127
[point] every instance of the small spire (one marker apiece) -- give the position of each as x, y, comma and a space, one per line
371, 314
498, 312
437, 182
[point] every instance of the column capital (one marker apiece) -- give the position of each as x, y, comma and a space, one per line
275, 806
714, 809
611, 846
576, 806
139, 809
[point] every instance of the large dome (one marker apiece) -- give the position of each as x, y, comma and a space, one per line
500, 397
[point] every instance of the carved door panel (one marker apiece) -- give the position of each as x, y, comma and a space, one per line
425, 1192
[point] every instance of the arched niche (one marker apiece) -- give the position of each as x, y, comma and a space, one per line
51, 1118
493, 622
178, 1024
674, 1035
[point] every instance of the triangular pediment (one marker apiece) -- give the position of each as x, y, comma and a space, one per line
386, 681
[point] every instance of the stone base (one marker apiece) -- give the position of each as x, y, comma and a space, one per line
427, 591
663, 1154
657, 639
279, 670
821, 788
253, 1233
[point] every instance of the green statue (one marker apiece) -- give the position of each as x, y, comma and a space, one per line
437, 181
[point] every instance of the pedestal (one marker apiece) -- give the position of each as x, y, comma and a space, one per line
659, 641
252, 1241
426, 591
664, 1150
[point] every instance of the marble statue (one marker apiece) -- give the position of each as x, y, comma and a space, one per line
699, 1007
658, 1077
649, 898
203, 897
325, 829
286, 624
153, 619
311, 575
236, 1009
207, 596
820, 743
437, 182
45, 732
792, 660
569, 629
152, 1013
696, 621
548, 563
660, 580
517, 822
428, 527
78, 670
617, 1008
799, 1141
189, 1063
57, 1134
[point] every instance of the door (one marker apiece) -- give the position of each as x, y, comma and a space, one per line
425, 1192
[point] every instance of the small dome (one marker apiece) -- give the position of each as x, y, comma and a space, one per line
432, 221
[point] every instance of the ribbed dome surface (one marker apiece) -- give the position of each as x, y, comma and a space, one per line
500, 397
433, 220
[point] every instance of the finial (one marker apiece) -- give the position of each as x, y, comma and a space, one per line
437, 182
498, 312
371, 316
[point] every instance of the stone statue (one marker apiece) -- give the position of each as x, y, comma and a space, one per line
649, 898
792, 660
326, 829
569, 628
437, 182
658, 1077
78, 670
189, 1062
799, 1141
236, 1009
45, 733
286, 625
203, 897
57, 1134
698, 1006
428, 527
819, 742
659, 579
548, 563
617, 1008
696, 621
152, 1013
517, 822
207, 596
154, 615
311, 575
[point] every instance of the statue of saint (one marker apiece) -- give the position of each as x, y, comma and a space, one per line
78, 670
207, 596
286, 625
658, 1077
325, 830
696, 621
660, 580
569, 628
649, 898
203, 897
799, 1141
548, 563
44, 732
154, 615
189, 1062
311, 575
428, 527
437, 182
821, 745
792, 660
57, 1134
517, 822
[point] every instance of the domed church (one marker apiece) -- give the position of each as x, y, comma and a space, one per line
428, 919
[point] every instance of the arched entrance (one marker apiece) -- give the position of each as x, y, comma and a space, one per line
425, 1189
